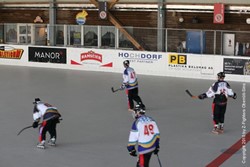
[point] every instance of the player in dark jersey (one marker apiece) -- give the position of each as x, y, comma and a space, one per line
220, 91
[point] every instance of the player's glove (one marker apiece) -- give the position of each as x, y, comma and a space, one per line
202, 96
234, 96
123, 86
157, 149
133, 153
35, 124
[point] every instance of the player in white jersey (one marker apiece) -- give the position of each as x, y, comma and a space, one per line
50, 117
220, 91
130, 82
146, 135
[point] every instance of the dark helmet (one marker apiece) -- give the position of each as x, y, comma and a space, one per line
126, 63
221, 75
138, 109
37, 100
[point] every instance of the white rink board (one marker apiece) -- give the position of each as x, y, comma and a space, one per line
146, 63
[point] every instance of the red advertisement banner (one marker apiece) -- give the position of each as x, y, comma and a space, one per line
219, 9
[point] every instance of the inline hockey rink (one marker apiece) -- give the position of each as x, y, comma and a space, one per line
96, 124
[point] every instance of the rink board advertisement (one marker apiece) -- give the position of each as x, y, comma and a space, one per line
187, 65
111, 60
13, 53
51, 55
236, 66
7, 52
90, 59
149, 63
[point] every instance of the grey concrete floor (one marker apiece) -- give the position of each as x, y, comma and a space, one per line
96, 123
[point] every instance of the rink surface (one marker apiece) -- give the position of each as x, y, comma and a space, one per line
96, 123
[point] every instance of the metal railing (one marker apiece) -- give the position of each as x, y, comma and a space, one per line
215, 42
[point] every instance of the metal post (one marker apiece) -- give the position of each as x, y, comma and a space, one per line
117, 37
201, 42
161, 26
82, 35
99, 36
65, 36
52, 21
214, 42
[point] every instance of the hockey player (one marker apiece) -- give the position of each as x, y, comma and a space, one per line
146, 135
220, 91
130, 82
50, 117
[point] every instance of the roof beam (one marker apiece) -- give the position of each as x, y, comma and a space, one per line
112, 3
118, 25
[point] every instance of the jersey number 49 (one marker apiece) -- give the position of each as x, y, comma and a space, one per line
148, 129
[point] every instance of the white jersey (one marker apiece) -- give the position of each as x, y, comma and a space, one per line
130, 78
40, 109
220, 91
145, 132
220, 87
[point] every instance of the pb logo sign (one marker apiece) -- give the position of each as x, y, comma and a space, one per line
177, 59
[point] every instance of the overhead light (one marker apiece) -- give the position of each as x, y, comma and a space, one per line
248, 20
181, 19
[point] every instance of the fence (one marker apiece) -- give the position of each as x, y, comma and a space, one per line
214, 42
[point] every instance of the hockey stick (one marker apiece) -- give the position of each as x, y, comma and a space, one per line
159, 160
54, 116
115, 90
191, 95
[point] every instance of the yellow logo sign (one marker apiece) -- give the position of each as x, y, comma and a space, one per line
81, 17
177, 59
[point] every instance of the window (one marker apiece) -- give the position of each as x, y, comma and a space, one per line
90, 36
24, 34
59, 35
1, 33
108, 36
40, 34
10, 32
74, 35
123, 41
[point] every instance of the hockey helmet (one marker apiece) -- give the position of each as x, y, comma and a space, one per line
126, 63
37, 100
221, 75
138, 109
